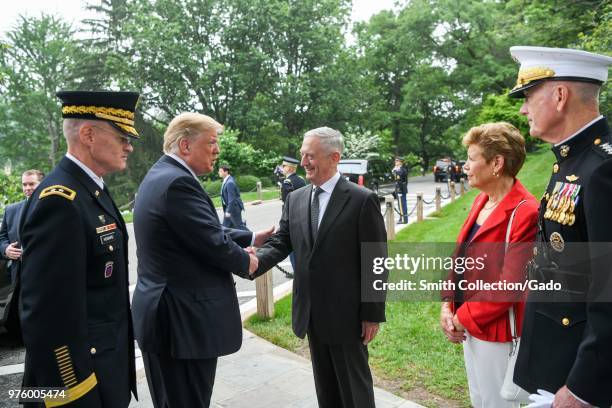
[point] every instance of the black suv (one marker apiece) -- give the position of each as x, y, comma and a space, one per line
374, 174
446, 168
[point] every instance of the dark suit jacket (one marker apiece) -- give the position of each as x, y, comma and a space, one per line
232, 204
9, 232
185, 301
327, 288
74, 291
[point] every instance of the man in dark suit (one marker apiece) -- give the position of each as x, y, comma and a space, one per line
185, 306
230, 200
75, 309
10, 246
565, 346
325, 224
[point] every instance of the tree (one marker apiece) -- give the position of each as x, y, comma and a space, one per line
361, 145
38, 61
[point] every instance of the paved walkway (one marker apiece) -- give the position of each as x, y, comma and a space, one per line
262, 375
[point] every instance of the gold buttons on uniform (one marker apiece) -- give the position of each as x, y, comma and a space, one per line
93, 350
565, 321
597, 141
555, 168
97, 193
111, 248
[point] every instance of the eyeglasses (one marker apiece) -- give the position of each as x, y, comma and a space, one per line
123, 139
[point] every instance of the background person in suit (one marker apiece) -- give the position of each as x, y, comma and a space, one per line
74, 298
10, 246
325, 225
496, 153
565, 348
231, 201
185, 306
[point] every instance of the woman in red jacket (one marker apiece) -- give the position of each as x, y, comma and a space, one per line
496, 153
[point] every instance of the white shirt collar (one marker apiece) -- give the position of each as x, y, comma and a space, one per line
98, 180
181, 161
330, 184
579, 130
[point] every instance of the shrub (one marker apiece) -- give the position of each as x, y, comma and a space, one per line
247, 183
213, 188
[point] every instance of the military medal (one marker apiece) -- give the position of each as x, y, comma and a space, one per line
102, 218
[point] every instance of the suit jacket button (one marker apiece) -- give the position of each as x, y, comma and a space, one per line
565, 321
93, 350
110, 248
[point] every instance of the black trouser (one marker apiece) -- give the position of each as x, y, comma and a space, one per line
341, 373
176, 383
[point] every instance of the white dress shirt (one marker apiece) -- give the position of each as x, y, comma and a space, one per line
325, 195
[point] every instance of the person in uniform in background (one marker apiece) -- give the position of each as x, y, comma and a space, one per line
10, 246
75, 307
400, 174
291, 183
231, 201
566, 343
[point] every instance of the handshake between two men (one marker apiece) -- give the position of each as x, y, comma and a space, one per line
185, 308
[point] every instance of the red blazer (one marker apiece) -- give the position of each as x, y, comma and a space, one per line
489, 320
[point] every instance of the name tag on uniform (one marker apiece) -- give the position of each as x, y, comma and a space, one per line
106, 238
106, 228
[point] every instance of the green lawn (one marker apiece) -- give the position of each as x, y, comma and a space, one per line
411, 357
246, 198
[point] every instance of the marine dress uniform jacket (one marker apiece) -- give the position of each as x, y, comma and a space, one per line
489, 320
9, 232
75, 312
570, 342
185, 262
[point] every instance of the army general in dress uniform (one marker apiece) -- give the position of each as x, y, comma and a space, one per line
75, 310
566, 345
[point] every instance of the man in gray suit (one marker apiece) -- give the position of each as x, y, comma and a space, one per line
10, 247
325, 224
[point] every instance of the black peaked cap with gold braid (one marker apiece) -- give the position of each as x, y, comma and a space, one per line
117, 108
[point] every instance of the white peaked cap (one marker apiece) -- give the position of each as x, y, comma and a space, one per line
561, 64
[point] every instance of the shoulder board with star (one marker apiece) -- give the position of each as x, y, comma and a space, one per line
58, 190
287, 181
